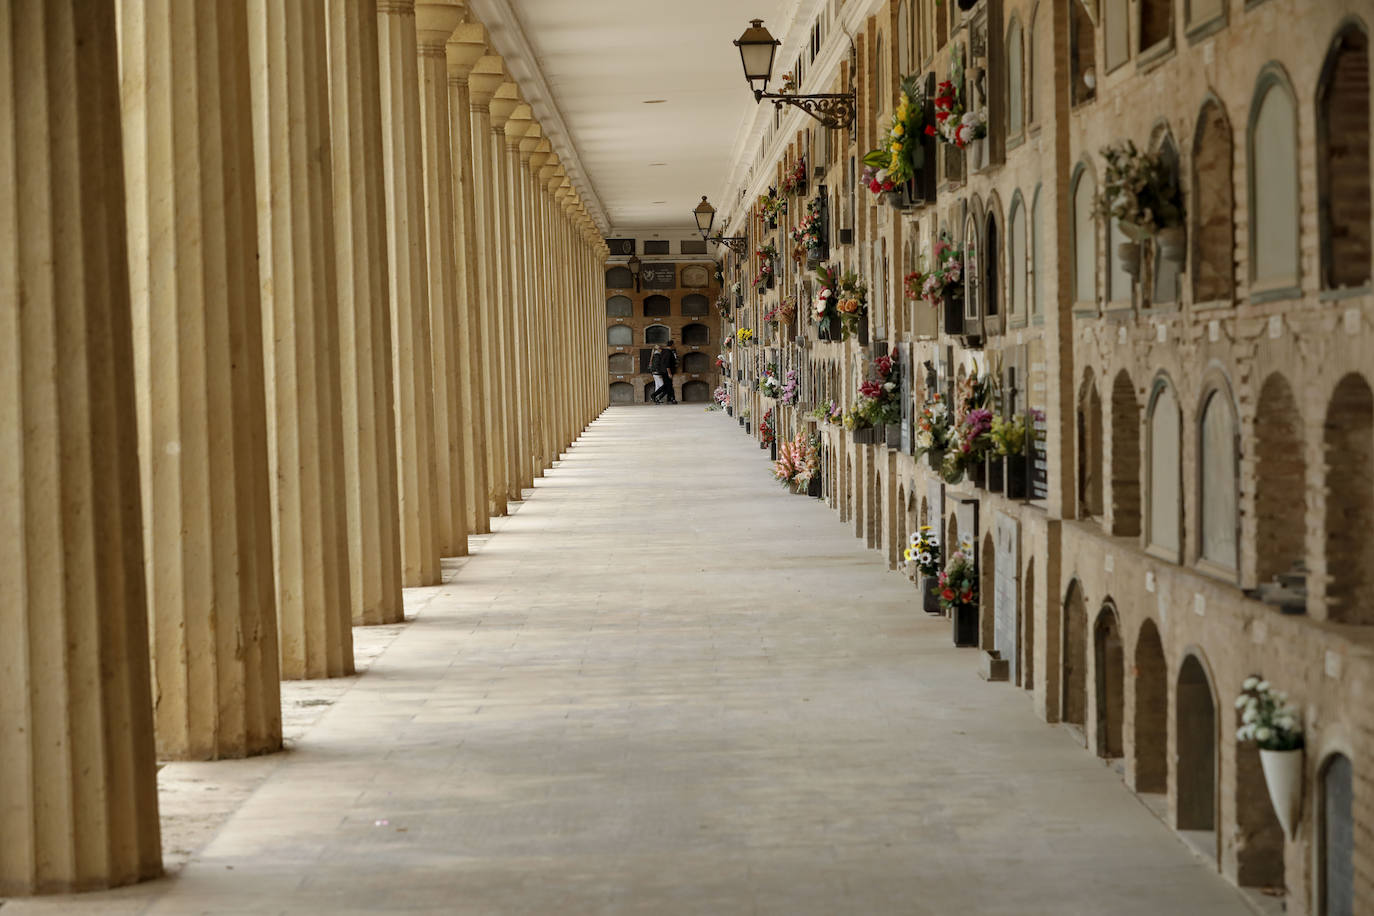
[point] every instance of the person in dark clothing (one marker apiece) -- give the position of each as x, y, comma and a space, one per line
669, 366
656, 370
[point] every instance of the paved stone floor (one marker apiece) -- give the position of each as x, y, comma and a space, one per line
665, 686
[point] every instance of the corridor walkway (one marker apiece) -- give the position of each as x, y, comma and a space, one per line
665, 686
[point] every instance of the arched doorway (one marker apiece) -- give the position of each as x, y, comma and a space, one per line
696, 393
874, 533
1151, 736
1110, 670
1195, 718
1336, 842
987, 594
1074, 659
1025, 610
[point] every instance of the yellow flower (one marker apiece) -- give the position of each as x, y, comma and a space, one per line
897, 130
896, 147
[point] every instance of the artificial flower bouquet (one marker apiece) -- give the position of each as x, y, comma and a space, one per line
934, 427
769, 386
766, 432
923, 552
958, 585
1267, 718
791, 388
1139, 192
808, 232
772, 205
795, 179
899, 153
783, 314
944, 278
879, 399
722, 396
798, 461
745, 336
841, 297
954, 125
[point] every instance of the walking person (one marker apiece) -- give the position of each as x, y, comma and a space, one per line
668, 365
656, 370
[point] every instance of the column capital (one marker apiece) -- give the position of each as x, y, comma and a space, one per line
503, 105
486, 77
530, 145
435, 21
518, 128
466, 46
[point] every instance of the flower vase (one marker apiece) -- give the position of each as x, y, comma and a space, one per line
893, 199
771, 280
1129, 254
813, 487
1283, 775
977, 474
1016, 477
954, 311
773, 450
729, 411
1171, 244
964, 618
863, 328
935, 458
748, 428
930, 598
894, 435
994, 473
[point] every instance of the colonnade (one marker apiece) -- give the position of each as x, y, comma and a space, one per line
293, 298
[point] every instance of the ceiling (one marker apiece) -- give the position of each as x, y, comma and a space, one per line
604, 59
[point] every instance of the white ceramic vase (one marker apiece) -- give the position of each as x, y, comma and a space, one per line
1283, 775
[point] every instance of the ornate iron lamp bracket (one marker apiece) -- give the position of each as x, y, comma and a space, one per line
835, 110
738, 244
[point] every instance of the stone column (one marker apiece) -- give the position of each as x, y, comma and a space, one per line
522, 281
207, 506
411, 355
465, 47
533, 155
435, 22
486, 77
514, 379
78, 784
369, 419
290, 83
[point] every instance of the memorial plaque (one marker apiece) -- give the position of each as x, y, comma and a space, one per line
695, 276
621, 247
904, 389
658, 276
657, 246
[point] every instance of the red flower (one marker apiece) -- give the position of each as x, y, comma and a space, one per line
966, 597
875, 187
942, 116
930, 130
887, 186
870, 389
947, 595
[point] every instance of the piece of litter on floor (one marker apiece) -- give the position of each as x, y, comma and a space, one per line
382, 823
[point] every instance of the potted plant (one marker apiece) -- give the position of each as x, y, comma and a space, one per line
924, 553
940, 283
958, 586
1269, 720
772, 205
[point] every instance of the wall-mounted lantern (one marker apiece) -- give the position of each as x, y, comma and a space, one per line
705, 215
756, 50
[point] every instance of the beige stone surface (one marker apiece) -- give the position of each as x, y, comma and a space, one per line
735, 710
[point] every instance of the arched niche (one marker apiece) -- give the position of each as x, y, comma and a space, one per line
695, 305
1074, 657
1150, 738
1213, 235
621, 364
1349, 445
1195, 720
696, 335
1219, 462
620, 335
696, 363
1125, 457
657, 334
1164, 483
620, 307
622, 393
619, 278
1273, 172
696, 392
657, 306
1280, 481
1110, 681
1343, 159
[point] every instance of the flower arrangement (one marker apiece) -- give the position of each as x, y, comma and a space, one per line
720, 362
808, 232
877, 180
785, 311
1010, 434
952, 124
772, 205
723, 306
722, 396
959, 579
766, 431
744, 336
791, 388
766, 255
798, 461
769, 386
844, 297
879, 401
945, 277
934, 431
1267, 718
831, 413
899, 153
795, 180
1139, 192
924, 552
974, 435
789, 83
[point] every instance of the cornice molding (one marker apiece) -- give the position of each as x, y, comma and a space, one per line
508, 37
